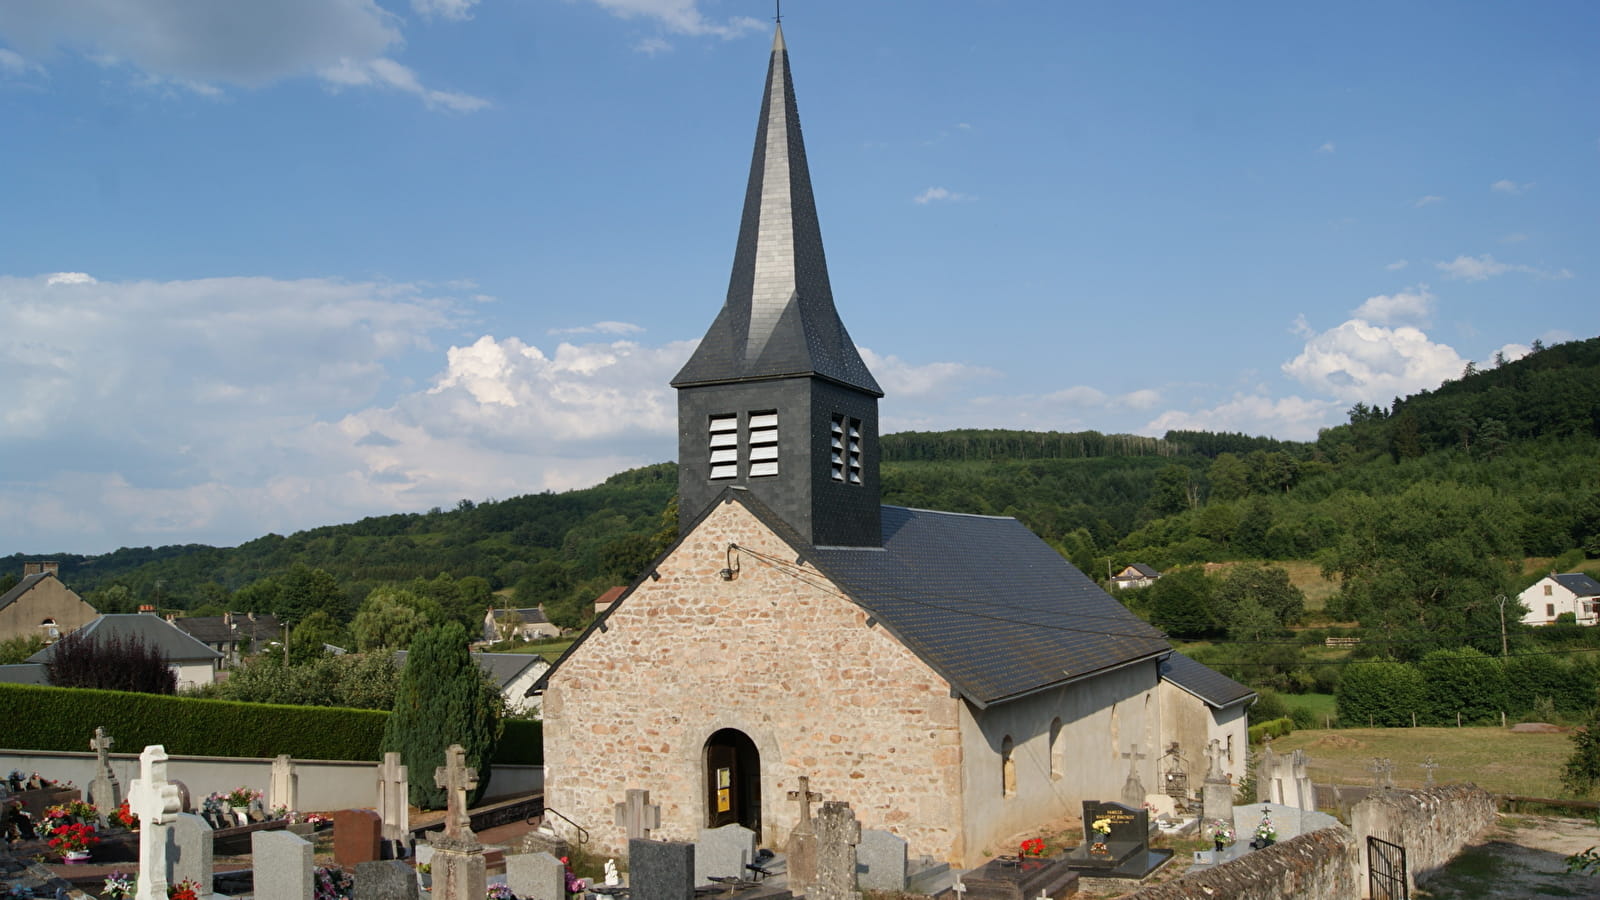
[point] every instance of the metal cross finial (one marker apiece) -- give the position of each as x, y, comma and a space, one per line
779, 16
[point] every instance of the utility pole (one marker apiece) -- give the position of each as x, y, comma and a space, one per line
1501, 599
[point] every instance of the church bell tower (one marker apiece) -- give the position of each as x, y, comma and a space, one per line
776, 399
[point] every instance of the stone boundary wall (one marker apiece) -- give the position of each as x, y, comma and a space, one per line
1320, 865
323, 784
1433, 825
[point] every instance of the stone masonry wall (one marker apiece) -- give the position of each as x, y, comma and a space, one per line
776, 653
1320, 865
1433, 824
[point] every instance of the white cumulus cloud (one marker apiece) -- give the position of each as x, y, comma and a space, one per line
1359, 360
899, 378
1479, 268
1293, 418
682, 17
1413, 305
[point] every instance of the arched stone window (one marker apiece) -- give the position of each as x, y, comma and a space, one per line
1057, 751
1008, 768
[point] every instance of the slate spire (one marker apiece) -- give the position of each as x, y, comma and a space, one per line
779, 320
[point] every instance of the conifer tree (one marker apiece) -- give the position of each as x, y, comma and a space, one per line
443, 699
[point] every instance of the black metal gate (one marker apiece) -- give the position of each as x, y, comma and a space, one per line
1386, 870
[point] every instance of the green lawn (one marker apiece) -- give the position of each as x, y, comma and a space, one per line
1492, 758
1321, 705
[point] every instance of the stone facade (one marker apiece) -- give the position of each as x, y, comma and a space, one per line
42, 605
778, 655
1193, 723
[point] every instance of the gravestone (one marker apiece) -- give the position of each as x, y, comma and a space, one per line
1175, 779
1127, 852
104, 791
1011, 878
1288, 821
637, 815
801, 851
536, 876
660, 870
1267, 762
1216, 793
838, 833
1382, 769
881, 861
723, 852
191, 850
1428, 765
386, 879
1286, 780
283, 863
1133, 789
394, 810
155, 801
356, 837
459, 869
283, 789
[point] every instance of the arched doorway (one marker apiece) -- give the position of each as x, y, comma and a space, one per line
733, 780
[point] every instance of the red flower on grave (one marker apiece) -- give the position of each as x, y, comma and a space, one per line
184, 890
69, 838
1033, 847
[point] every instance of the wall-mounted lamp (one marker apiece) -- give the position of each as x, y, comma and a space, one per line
732, 570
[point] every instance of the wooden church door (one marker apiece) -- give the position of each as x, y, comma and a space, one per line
733, 781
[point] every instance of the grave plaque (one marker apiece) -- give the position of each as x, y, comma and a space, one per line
356, 836
536, 876
388, 879
1127, 852
660, 870
282, 865
191, 850
881, 861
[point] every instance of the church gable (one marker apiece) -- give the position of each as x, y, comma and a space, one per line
744, 639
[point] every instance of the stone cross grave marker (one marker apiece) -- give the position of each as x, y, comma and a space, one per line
1133, 789
104, 791
1428, 765
801, 851
1382, 769
637, 815
838, 833
155, 801
283, 789
394, 788
456, 778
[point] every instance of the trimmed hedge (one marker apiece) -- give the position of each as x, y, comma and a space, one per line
63, 719
1277, 728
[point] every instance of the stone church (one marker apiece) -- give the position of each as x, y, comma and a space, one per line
950, 676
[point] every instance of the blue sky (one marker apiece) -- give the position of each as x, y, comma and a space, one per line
276, 265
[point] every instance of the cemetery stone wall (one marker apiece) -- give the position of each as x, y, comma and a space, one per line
774, 652
1433, 824
1321, 865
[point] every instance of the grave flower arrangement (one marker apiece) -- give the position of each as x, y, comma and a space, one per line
575, 885
500, 892
317, 819
1221, 832
1266, 831
1101, 827
332, 884
72, 837
242, 796
1033, 847
184, 890
118, 886
123, 817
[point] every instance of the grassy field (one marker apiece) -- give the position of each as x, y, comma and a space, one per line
1320, 704
1492, 758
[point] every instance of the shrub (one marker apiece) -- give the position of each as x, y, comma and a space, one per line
1268, 706
1582, 770
1380, 694
443, 699
1303, 717
1276, 728
1464, 682
111, 663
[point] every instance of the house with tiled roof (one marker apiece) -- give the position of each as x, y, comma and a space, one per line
193, 662
527, 623
1137, 575
1551, 596
41, 605
234, 635
950, 676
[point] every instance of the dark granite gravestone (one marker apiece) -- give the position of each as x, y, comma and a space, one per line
660, 870
1025, 878
356, 836
1126, 852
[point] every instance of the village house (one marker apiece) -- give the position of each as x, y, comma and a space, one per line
192, 662
41, 605
526, 624
234, 635
950, 676
1552, 595
1137, 575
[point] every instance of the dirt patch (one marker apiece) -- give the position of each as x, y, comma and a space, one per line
1338, 742
1522, 856
1537, 728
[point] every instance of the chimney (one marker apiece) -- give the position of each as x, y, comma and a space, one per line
227, 619
147, 609
41, 568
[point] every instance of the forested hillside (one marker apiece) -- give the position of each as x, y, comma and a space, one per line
1422, 509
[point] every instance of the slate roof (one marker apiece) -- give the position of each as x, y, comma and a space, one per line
504, 668
779, 319
216, 630
1576, 582
1215, 688
22, 587
987, 604
154, 631
1145, 570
